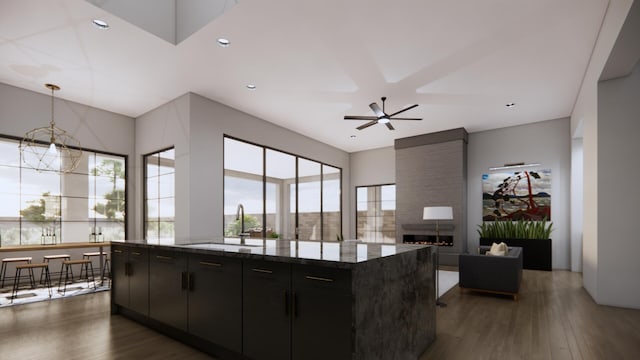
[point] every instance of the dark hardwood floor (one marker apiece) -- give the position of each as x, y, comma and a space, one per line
554, 319
81, 327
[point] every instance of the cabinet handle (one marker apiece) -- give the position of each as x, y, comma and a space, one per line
210, 263
318, 278
183, 280
117, 251
127, 269
295, 305
160, 257
135, 253
286, 303
262, 271
190, 281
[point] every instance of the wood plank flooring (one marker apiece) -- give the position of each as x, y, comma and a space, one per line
554, 319
81, 327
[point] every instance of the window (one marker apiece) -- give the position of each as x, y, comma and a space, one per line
159, 200
376, 213
46, 207
294, 197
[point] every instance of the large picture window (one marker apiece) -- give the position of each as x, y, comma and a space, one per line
45, 207
282, 195
376, 213
159, 190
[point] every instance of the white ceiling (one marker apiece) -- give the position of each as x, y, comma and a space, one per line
315, 61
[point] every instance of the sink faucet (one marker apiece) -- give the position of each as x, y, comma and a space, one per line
240, 216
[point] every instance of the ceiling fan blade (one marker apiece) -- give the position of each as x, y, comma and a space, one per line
376, 109
390, 126
351, 117
406, 119
370, 123
403, 110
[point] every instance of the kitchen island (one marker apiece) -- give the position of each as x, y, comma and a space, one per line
281, 299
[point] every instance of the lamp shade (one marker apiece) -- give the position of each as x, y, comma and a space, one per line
437, 213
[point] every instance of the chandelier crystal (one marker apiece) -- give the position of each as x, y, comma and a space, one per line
50, 148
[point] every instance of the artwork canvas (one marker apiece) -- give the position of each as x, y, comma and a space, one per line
520, 195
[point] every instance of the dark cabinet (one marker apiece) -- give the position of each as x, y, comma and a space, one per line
266, 310
168, 288
120, 283
322, 313
232, 307
296, 312
215, 300
198, 294
130, 272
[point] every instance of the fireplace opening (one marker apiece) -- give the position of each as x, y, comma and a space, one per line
445, 240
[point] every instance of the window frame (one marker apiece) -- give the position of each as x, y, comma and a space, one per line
62, 195
295, 183
145, 221
377, 201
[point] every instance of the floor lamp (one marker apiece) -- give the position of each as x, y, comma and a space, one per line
438, 213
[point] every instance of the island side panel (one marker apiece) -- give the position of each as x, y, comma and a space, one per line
394, 306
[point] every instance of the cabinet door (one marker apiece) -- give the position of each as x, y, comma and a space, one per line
322, 313
168, 288
119, 275
266, 310
215, 300
139, 280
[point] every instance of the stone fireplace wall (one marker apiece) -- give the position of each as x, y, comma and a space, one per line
431, 171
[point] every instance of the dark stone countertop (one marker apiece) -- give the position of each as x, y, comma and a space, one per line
343, 254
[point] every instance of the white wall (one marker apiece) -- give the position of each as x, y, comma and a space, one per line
547, 143
618, 172
163, 127
577, 200
196, 125
23, 110
584, 116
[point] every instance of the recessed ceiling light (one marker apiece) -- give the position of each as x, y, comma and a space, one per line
100, 24
510, 105
251, 87
224, 42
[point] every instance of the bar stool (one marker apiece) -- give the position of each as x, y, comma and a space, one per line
106, 268
67, 264
47, 259
89, 255
30, 267
5, 261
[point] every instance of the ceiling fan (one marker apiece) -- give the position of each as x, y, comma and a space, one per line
380, 116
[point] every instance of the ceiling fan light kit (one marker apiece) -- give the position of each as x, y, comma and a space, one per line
381, 117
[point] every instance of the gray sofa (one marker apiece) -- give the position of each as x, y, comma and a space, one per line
494, 274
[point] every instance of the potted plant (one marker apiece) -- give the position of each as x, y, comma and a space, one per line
533, 236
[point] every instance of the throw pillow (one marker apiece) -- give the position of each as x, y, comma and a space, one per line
497, 249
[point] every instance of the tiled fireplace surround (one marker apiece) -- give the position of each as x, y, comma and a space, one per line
431, 171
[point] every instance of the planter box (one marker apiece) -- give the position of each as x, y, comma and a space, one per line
536, 253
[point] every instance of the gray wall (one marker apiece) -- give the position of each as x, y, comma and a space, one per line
196, 125
23, 110
369, 167
618, 244
547, 143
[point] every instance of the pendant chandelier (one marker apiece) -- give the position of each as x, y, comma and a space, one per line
50, 148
